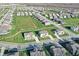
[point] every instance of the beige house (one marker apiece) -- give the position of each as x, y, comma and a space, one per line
43, 33
29, 36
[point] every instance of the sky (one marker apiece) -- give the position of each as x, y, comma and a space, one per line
39, 1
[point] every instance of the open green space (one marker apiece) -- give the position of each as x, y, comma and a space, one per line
71, 22
23, 24
19, 24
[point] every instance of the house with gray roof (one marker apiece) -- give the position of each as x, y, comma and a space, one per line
36, 50
71, 46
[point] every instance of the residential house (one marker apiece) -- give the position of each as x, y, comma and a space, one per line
75, 28
36, 50
59, 32
26, 13
43, 33
71, 46
29, 36
57, 51
18, 13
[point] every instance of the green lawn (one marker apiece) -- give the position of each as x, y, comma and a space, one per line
19, 24
71, 22
23, 24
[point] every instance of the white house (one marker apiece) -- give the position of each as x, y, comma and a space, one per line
22, 13
47, 23
30, 13
75, 28
68, 15
29, 36
26, 13
57, 14
46, 15
18, 13
50, 16
64, 16
59, 32
43, 33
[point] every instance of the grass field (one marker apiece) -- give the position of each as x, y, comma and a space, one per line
71, 22
23, 24
19, 24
